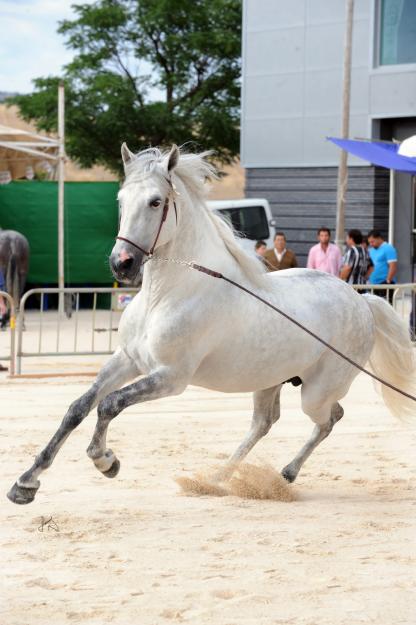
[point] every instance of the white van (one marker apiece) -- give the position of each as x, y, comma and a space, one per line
252, 218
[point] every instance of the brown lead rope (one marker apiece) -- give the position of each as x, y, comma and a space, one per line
216, 274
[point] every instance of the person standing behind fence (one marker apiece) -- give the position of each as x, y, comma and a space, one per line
356, 261
325, 256
279, 257
3, 310
3, 307
260, 250
384, 258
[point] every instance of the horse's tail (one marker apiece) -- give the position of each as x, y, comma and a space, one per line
393, 358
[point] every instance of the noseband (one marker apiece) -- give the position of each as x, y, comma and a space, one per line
162, 221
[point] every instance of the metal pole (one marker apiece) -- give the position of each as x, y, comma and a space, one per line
346, 90
391, 207
61, 178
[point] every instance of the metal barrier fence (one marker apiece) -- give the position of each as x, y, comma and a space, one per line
401, 296
12, 330
75, 333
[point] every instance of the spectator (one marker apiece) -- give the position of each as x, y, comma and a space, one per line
364, 244
279, 257
325, 256
260, 249
3, 307
356, 261
384, 258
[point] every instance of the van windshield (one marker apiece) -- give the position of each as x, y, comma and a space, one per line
250, 221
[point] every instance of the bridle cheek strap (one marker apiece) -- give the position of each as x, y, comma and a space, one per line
162, 221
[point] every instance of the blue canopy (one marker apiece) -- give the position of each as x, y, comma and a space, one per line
382, 154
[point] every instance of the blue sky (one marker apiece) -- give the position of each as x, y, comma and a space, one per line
29, 44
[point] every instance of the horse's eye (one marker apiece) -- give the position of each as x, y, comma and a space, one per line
155, 203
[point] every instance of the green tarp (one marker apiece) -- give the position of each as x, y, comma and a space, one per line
91, 220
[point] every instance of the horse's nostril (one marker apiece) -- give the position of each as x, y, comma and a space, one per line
125, 265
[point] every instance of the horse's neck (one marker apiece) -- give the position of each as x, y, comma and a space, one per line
197, 239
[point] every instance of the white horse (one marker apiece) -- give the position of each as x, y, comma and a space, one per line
189, 328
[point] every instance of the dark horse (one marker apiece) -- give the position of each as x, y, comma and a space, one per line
14, 262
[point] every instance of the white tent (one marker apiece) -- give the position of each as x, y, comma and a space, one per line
23, 153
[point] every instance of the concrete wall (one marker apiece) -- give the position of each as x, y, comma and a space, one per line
292, 58
291, 101
292, 81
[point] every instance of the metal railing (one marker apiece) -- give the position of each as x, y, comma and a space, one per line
401, 296
12, 329
75, 333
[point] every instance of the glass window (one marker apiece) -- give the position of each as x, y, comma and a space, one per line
251, 221
397, 32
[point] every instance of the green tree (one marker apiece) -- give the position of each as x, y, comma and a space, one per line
149, 72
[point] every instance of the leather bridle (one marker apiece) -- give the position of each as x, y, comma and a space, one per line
162, 221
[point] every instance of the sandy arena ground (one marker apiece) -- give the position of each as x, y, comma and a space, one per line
135, 551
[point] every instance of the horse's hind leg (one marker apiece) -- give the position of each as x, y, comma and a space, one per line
266, 412
118, 370
320, 432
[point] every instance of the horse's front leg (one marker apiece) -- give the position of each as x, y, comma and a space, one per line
160, 383
118, 370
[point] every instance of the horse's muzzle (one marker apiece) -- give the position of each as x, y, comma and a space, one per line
127, 268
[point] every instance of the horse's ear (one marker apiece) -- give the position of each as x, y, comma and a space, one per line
173, 158
126, 155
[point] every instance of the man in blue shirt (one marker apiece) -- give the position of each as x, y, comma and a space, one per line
384, 258
3, 307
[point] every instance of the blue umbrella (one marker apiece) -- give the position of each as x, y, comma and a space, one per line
386, 155
378, 153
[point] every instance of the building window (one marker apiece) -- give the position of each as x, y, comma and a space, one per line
397, 32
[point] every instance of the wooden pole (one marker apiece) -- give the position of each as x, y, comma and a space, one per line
61, 179
346, 92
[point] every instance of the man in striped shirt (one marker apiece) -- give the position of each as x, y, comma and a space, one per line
356, 261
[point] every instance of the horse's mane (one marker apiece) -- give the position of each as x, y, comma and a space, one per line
194, 171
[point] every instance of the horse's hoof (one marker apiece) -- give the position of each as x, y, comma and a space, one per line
22, 494
113, 470
289, 475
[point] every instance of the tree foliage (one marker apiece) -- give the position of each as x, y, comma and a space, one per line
150, 72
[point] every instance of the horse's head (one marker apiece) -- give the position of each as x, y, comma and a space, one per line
147, 211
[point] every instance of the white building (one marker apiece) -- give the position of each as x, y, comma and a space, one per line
291, 101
